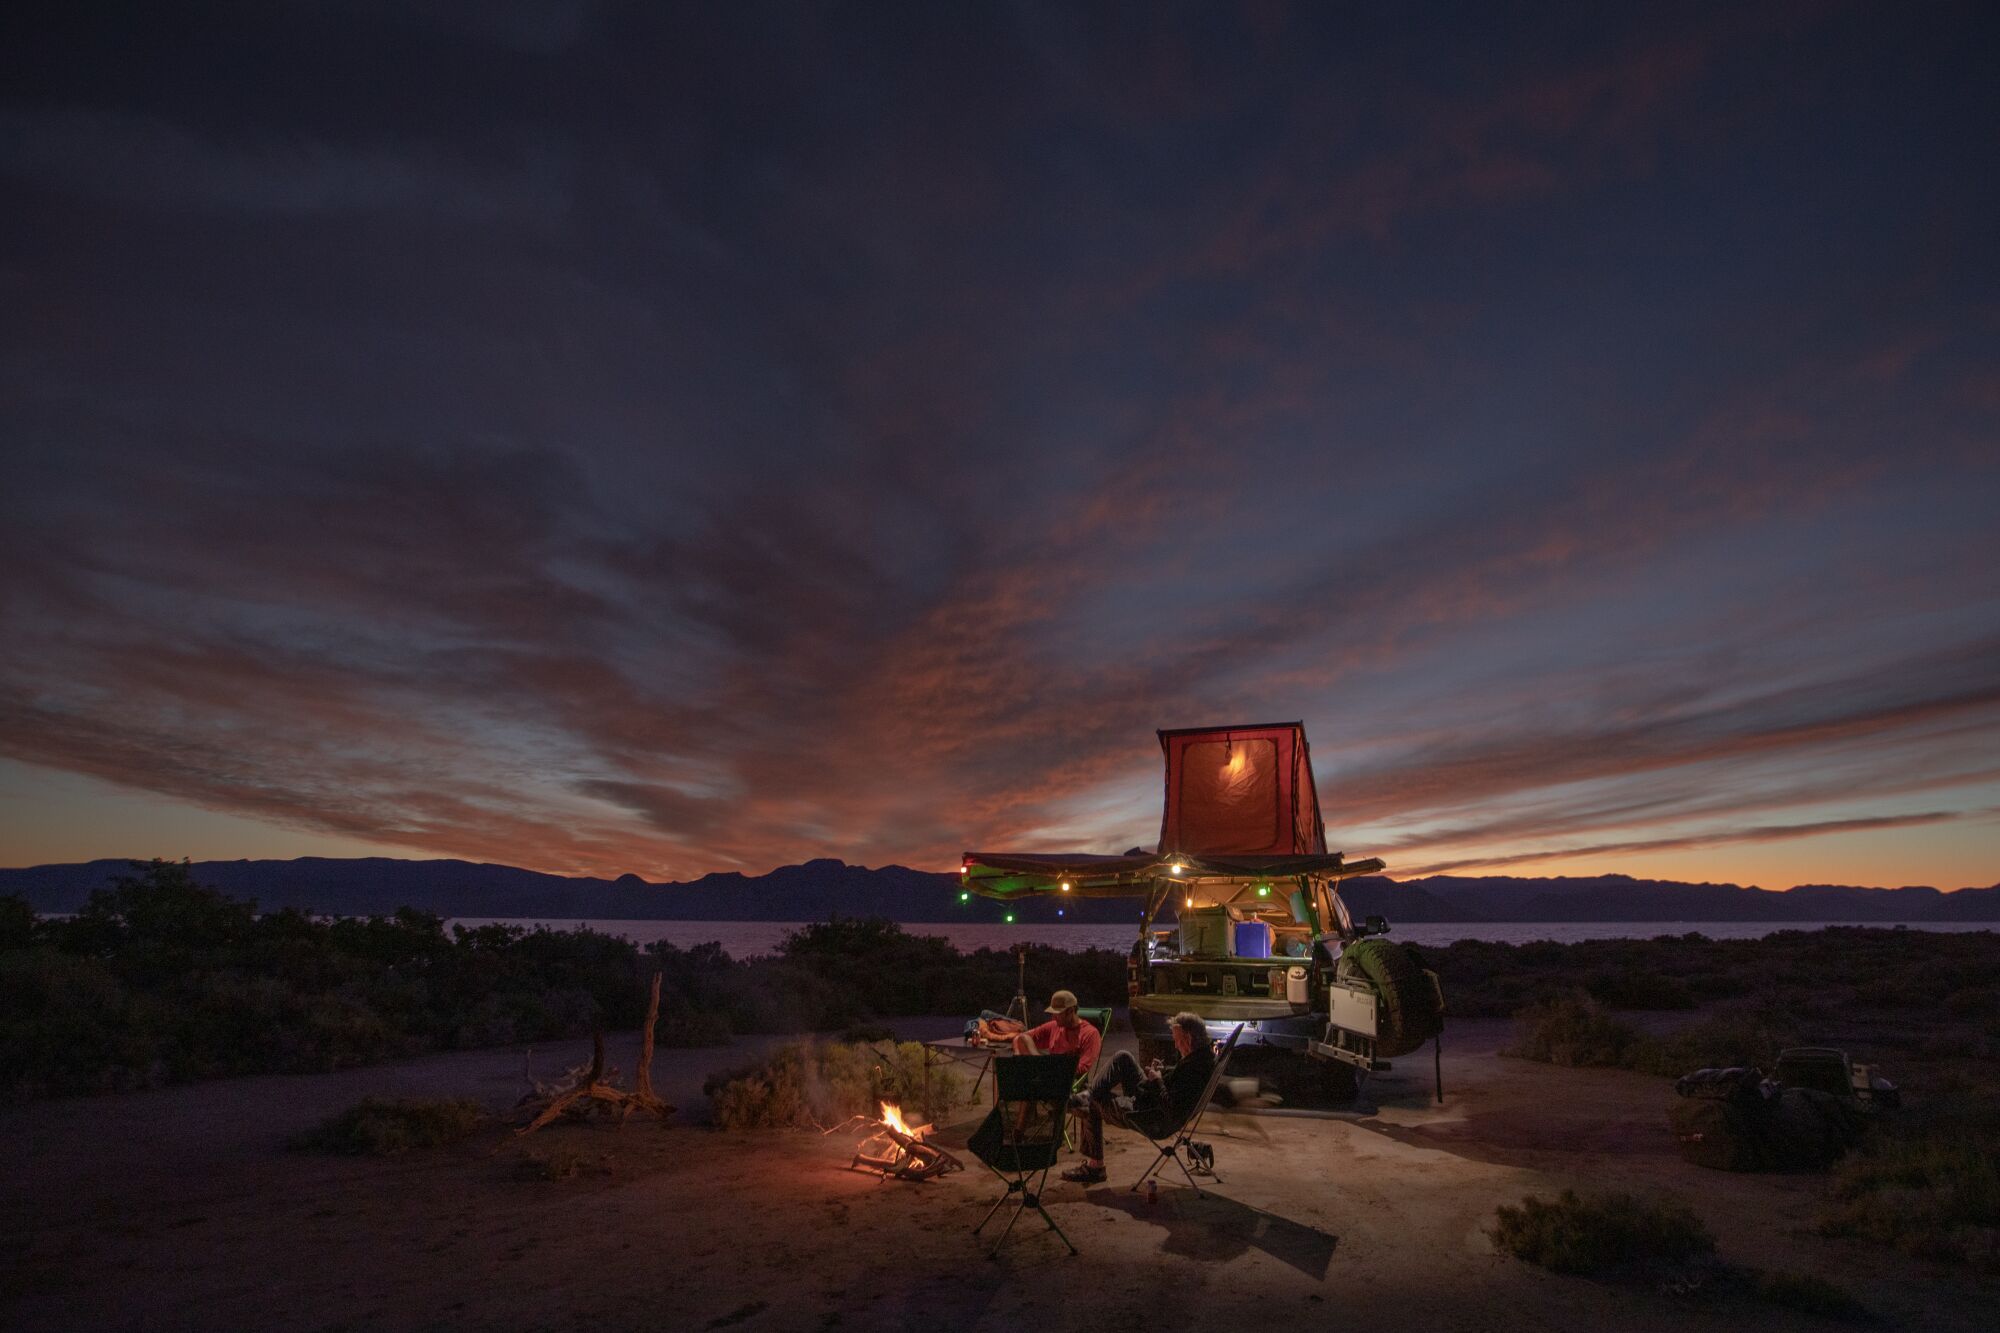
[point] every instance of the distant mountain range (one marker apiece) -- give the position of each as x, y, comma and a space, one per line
819, 889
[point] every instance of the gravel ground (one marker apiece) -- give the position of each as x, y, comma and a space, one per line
179, 1209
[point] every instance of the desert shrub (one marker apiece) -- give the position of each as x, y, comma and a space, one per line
1809, 1295
834, 975
1628, 988
558, 1162
17, 922
819, 1084
524, 1013
1602, 1234
158, 979
1960, 1045
771, 995
1573, 1030
889, 971
1736, 1036
1910, 970
375, 1127
1929, 1186
1971, 1001
67, 1025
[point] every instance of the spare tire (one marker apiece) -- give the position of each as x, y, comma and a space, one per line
1810, 1129
1407, 1012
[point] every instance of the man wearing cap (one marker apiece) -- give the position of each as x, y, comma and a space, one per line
1065, 1031
1157, 1101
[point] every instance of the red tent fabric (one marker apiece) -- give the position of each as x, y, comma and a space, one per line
1245, 791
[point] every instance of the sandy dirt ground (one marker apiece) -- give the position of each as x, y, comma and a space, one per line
180, 1209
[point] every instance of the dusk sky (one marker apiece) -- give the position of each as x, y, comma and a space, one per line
636, 437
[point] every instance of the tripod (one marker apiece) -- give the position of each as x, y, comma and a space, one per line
1020, 1000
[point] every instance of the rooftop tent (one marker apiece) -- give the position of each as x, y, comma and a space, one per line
1242, 791
1241, 807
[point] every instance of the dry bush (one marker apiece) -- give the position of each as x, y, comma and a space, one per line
1577, 1030
1574, 1029
1601, 1235
377, 1127
1746, 1035
558, 1163
1809, 1295
1929, 1186
812, 1083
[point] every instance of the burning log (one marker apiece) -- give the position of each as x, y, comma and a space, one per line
897, 1149
591, 1088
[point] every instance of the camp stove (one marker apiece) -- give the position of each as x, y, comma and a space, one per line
895, 1149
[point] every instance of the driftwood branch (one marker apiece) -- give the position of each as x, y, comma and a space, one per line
592, 1088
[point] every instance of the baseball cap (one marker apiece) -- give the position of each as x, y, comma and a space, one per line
1062, 1002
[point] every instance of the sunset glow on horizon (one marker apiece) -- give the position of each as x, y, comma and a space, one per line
852, 432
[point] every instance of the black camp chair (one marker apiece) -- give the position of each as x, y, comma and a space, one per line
1022, 1136
1178, 1146
1101, 1020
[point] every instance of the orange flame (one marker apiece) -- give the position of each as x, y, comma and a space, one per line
892, 1116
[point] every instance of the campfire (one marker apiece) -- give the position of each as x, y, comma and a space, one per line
895, 1148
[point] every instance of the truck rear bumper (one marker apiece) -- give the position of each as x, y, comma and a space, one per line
1265, 1023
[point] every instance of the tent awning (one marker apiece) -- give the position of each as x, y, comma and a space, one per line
1024, 874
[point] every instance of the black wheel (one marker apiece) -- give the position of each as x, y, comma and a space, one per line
1335, 1081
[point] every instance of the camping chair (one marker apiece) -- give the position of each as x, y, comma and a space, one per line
1022, 1136
1178, 1145
1101, 1020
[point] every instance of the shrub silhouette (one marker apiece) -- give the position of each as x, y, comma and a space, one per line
1574, 1030
159, 979
374, 1127
1602, 1234
816, 1084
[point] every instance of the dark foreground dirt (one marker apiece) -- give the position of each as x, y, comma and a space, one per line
179, 1209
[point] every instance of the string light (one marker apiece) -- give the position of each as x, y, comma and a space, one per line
1064, 886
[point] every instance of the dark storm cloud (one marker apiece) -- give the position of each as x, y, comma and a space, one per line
618, 436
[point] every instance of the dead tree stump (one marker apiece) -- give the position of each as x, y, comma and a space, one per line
590, 1090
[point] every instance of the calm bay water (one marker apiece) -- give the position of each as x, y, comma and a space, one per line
743, 939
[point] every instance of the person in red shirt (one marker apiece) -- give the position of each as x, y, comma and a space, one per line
1065, 1031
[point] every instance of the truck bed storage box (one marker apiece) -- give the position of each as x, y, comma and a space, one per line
1253, 939
1205, 933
